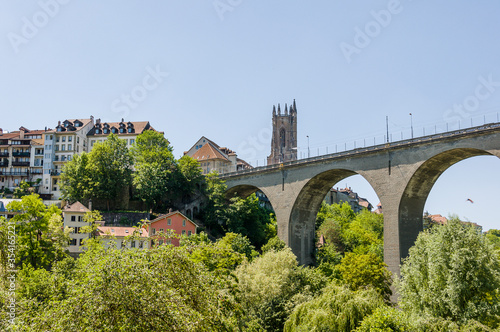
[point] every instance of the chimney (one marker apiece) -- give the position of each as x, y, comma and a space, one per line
21, 133
90, 204
1, 131
170, 210
92, 119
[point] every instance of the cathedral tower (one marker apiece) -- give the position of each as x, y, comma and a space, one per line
284, 141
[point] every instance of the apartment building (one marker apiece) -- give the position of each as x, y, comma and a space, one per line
41, 154
60, 145
21, 156
127, 131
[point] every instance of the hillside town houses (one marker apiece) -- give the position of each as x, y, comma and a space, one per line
39, 155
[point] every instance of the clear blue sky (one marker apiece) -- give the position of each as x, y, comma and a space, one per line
219, 66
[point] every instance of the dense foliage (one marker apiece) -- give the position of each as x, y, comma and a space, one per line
106, 172
245, 279
454, 273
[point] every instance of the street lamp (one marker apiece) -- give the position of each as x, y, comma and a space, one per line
411, 123
308, 151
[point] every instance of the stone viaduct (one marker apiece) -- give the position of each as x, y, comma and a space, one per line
401, 173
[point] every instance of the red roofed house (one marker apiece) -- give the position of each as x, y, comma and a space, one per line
213, 157
118, 235
176, 221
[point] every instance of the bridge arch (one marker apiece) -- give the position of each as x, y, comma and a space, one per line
301, 226
420, 184
245, 190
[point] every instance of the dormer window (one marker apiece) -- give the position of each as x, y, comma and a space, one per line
113, 130
97, 131
122, 130
130, 130
106, 131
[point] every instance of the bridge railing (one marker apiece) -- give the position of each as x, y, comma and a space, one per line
356, 151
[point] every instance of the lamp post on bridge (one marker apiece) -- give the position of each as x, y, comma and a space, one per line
308, 151
411, 124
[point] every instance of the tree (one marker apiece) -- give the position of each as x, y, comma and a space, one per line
359, 271
247, 217
110, 167
214, 211
338, 308
159, 289
76, 179
24, 189
270, 287
41, 239
274, 244
191, 174
386, 318
221, 257
452, 272
155, 167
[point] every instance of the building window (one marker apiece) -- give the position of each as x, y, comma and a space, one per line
69, 147
73, 218
140, 244
132, 141
169, 221
81, 241
64, 138
72, 242
76, 230
189, 233
183, 232
161, 230
80, 218
132, 244
184, 223
161, 242
154, 230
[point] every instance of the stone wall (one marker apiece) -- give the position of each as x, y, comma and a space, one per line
124, 218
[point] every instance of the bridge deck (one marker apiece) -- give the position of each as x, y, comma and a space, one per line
373, 148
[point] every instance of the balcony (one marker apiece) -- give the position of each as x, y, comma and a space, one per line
20, 163
4, 154
55, 173
14, 173
4, 163
21, 154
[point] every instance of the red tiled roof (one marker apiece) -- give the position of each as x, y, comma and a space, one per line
120, 231
208, 152
163, 216
76, 207
438, 219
